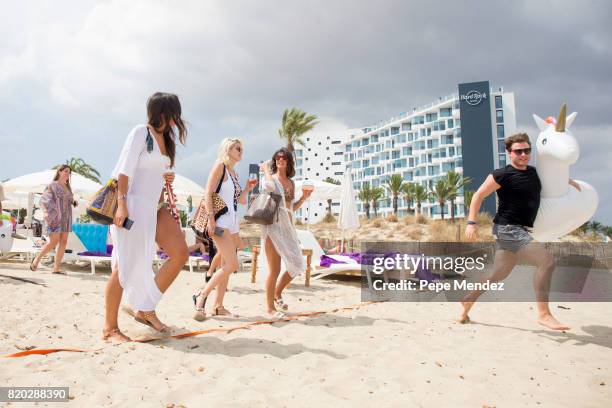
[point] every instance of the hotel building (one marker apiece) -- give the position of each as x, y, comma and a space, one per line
463, 132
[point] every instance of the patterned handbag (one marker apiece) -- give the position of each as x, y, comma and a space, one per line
200, 219
103, 205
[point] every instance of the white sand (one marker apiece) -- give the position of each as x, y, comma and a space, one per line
390, 354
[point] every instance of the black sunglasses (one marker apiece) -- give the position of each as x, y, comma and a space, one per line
280, 156
239, 149
520, 152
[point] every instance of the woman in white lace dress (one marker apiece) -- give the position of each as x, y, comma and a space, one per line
145, 161
279, 239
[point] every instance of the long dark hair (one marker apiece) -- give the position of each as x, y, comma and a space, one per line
162, 108
290, 165
60, 169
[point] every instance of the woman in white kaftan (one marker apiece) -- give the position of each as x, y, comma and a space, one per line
279, 240
142, 170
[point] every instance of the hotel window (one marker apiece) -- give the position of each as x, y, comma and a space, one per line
502, 160
298, 153
499, 116
406, 126
338, 154
428, 131
336, 142
395, 130
501, 146
498, 102
445, 112
450, 123
500, 132
430, 117
451, 151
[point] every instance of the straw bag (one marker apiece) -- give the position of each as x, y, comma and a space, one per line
264, 208
200, 219
103, 205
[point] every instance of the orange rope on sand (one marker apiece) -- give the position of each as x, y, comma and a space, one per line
198, 332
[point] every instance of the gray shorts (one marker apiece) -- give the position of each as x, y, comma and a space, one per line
511, 237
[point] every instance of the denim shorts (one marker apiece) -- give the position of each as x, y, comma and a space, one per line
511, 237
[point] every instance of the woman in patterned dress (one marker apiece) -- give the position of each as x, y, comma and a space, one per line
57, 201
279, 240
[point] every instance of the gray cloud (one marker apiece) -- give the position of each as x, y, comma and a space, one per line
74, 79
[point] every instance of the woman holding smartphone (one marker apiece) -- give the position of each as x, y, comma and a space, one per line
224, 231
142, 170
57, 202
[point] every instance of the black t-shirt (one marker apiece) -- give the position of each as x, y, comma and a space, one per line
519, 196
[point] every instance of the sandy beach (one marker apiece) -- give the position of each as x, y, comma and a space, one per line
384, 354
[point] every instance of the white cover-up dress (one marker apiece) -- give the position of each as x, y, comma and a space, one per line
133, 249
282, 233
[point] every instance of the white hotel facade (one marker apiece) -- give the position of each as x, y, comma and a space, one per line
463, 132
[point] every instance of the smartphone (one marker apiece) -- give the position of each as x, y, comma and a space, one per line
219, 231
127, 224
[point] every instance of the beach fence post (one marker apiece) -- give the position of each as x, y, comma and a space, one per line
308, 253
254, 263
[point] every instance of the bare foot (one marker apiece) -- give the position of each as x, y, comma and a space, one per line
114, 336
549, 321
466, 309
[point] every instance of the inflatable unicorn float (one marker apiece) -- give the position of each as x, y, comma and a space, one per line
562, 207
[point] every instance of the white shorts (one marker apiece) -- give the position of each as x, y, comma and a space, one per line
229, 221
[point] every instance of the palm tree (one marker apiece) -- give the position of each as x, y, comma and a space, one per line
329, 201
408, 192
395, 186
455, 182
420, 194
440, 192
78, 165
596, 227
607, 231
377, 194
365, 195
294, 124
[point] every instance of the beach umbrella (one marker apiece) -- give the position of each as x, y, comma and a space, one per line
37, 182
30, 213
349, 218
322, 190
184, 187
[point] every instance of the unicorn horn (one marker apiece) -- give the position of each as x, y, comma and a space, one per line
561, 120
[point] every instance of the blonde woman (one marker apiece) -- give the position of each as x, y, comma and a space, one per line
224, 231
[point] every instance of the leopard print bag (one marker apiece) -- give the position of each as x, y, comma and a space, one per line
199, 224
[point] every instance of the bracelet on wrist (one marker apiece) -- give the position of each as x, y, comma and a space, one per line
122, 197
470, 222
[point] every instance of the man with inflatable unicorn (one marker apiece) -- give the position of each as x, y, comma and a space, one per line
542, 203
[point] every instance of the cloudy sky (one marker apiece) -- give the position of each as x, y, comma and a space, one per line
75, 75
